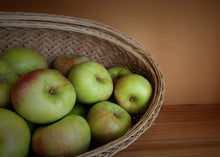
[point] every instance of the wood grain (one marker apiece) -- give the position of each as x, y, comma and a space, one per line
180, 130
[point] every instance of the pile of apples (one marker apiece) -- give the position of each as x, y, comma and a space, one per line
63, 109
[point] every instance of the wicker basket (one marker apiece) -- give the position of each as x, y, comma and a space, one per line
55, 35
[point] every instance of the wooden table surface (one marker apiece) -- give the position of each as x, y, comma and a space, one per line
180, 130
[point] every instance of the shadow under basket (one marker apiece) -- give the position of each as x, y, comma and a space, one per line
55, 35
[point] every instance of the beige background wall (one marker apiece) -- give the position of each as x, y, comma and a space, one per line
182, 35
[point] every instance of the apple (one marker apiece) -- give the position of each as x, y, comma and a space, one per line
69, 136
64, 63
80, 109
43, 96
23, 59
108, 121
15, 134
7, 78
117, 72
91, 81
133, 92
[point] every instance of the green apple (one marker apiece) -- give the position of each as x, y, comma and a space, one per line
117, 72
69, 136
133, 92
92, 82
65, 63
15, 135
23, 60
7, 78
43, 96
80, 109
108, 121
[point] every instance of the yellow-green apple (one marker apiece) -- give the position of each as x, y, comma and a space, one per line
23, 59
91, 81
108, 121
69, 136
80, 109
43, 96
7, 78
133, 92
64, 63
15, 135
117, 72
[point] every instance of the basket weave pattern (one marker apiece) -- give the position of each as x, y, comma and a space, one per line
55, 35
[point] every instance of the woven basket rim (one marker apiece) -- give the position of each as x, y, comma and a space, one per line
79, 25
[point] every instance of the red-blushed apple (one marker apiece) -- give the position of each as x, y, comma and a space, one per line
69, 136
65, 63
133, 92
91, 81
15, 135
108, 121
23, 59
7, 78
43, 96
117, 72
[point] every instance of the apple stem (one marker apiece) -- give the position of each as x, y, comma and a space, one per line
116, 115
98, 79
131, 99
52, 91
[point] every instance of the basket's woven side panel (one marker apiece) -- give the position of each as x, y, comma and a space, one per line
52, 43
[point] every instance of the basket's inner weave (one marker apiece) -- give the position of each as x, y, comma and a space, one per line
53, 43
